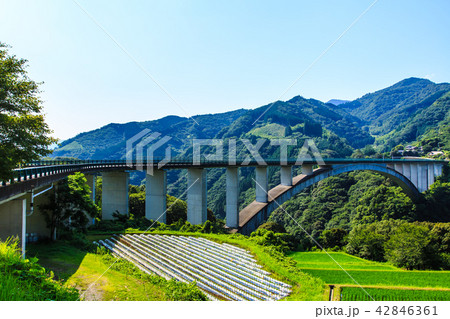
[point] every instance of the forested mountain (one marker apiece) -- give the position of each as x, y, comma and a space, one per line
109, 142
411, 111
337, 102
401, 113
385, 110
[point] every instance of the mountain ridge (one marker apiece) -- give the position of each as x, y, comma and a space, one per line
375, 117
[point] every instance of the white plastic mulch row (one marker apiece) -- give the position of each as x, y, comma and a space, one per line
221, 270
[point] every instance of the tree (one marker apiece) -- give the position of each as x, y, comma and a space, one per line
334, 237
411, 247
70, 205
24, 134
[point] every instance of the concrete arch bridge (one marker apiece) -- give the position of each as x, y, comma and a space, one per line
413, 175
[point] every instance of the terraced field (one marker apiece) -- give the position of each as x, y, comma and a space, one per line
385, 281
357, 294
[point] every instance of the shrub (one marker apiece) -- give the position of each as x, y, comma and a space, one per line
25, 279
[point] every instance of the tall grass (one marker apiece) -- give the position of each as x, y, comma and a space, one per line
26, 280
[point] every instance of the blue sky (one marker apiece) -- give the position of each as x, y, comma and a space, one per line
216, 56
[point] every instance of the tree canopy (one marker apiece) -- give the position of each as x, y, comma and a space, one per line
24, 134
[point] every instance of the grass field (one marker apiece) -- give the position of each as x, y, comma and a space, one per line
381, 280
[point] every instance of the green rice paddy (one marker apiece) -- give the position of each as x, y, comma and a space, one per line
383, 281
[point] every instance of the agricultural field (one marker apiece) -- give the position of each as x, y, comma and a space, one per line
380, 294
381, 280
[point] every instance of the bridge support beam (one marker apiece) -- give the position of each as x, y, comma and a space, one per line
90, 181
262, 184
437, 170
114, 194
407, 171
430, 175
399, 168
414, 174
232, 195
155, 196
286, 175
307, 169
422, 176
196, 196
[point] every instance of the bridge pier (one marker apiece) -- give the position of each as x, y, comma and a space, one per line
414, 174
90, 181
430, 175
286, 175
437, 170
262, 184
155, 196
114, 194
406, 170
196, 196
422, 176
232, 195
307, 169
399, 168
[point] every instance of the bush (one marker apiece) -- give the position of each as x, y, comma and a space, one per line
26, 280
280, 242
273, 226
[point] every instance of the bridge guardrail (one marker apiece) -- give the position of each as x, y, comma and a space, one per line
41, 168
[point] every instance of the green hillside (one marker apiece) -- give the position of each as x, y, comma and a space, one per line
385, 110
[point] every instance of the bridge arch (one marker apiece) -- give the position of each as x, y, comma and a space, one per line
257, 213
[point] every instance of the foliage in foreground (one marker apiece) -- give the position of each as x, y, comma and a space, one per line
24, 134
26, 280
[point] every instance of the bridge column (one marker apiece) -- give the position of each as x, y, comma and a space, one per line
430, 175
399, 168
286, 175
155, 196
407, 170
262, 186
307, 169
422, 176
114, 194
437, 170
196, 196
232, 196
414, 176
90, 181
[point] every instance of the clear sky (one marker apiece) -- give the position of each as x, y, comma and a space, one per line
215, 56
